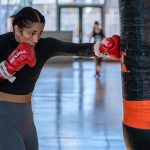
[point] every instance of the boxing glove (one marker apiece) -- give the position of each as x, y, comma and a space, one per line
109, 46
22, 55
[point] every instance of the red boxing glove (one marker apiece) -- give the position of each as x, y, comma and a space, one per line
109, 46
22, 55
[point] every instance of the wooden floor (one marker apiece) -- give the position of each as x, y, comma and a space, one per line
75, 111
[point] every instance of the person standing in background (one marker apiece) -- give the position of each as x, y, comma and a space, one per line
98, 34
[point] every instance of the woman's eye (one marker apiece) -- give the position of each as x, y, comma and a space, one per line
31, 34
40, 34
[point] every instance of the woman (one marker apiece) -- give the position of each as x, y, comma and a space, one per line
98, 35
22, 56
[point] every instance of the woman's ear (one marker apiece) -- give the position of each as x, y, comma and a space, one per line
17, 30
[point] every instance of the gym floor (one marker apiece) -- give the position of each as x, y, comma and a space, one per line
75, 111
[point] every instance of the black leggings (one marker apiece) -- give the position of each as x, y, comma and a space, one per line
17, 129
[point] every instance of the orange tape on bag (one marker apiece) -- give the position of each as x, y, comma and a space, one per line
124, 68
137, 114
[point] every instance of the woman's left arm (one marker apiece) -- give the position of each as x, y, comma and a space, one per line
56, 47
109, 46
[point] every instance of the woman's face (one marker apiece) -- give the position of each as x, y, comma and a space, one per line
30, 35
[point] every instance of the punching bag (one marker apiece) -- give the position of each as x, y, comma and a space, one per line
135, 44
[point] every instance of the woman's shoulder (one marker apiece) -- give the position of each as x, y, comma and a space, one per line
5, 37
4, 45
7, 41
47, 39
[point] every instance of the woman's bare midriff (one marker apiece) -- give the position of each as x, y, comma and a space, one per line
15, 98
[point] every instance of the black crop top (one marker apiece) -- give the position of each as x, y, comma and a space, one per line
45, 49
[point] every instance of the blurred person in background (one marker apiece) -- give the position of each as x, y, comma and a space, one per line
97, 34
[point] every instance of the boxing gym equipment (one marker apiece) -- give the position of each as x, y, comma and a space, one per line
22, 55
108, 46
135, 31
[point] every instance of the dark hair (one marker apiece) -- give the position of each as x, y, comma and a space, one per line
27, 16
96, 23
12, 16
